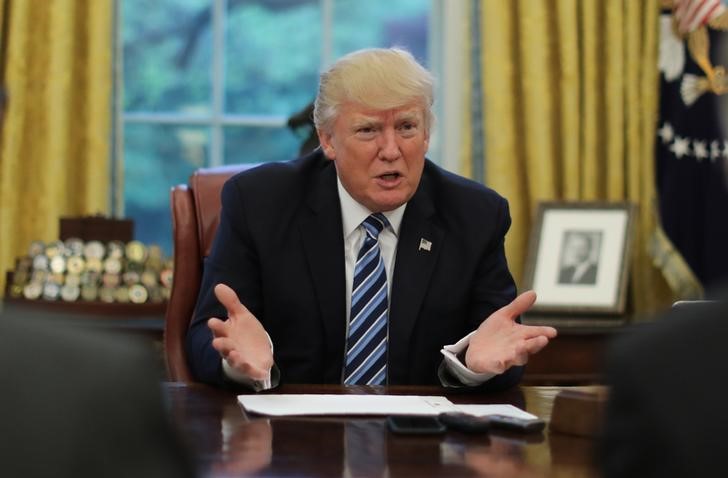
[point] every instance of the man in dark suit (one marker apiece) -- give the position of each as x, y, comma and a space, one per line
666, 414
580, 268
287, 247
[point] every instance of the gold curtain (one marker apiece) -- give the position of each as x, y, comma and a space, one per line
570, 98
54, 148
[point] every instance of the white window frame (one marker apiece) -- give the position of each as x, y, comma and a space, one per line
448, 19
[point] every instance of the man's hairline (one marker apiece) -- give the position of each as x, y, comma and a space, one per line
427, 116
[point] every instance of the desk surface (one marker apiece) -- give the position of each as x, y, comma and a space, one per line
229, 443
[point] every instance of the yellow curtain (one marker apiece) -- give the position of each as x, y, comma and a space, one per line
54, 148
570, 98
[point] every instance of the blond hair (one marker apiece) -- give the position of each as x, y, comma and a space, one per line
377, 78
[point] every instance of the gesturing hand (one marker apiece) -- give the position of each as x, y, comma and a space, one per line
241, 339
500, 342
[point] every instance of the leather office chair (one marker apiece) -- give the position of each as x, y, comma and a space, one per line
195, 217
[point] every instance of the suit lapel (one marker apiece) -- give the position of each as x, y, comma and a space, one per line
412, 272
321, 231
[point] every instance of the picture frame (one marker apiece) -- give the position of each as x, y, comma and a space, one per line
579, 257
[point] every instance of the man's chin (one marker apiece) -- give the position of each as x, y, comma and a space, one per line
384, 204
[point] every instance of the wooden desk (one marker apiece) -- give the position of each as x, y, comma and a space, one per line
576, 356
229, 443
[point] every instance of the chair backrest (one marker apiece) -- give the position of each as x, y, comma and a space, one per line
195, 217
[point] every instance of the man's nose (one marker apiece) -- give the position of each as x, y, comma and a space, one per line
388, 146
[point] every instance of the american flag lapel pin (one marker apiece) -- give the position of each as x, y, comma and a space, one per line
425, 245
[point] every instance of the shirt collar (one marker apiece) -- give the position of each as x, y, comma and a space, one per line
353, 213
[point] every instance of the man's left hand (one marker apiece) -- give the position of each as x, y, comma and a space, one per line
500, 342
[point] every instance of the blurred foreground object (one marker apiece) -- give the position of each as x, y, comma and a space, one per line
666, 413
77, 403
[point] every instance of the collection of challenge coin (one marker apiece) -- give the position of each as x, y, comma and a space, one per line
74, 270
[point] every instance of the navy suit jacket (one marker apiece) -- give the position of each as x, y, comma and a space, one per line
280, 246
566, 275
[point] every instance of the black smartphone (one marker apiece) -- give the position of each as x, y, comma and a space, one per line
415, 424
464, 422
525, 425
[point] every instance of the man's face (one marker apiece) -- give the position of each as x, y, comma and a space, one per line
379, 154
579, 246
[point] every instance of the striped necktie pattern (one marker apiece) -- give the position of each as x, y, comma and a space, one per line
366, 344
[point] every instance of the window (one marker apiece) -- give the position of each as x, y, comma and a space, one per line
211, 82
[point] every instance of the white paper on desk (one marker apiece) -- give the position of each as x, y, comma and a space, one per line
485, 410
322, 404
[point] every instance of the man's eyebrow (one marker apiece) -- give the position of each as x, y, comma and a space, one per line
409, 116
365, 121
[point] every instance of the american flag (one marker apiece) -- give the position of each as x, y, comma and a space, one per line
692, 14
691, 161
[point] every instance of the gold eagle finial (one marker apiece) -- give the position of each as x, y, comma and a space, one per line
690, 20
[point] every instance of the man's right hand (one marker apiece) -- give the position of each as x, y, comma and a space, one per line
241, 339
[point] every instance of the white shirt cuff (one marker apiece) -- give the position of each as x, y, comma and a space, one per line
241, 378
458, 369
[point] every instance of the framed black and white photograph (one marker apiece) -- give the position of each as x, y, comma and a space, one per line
578, 259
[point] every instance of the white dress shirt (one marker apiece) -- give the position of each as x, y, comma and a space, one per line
580, 270
352, 215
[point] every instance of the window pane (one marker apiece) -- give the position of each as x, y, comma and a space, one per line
157, 157
272, 59
245, 144
402, 23
272, 56
167, 55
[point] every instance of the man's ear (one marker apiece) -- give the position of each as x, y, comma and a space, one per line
326, 144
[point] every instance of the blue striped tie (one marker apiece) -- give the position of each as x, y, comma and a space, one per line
366, 345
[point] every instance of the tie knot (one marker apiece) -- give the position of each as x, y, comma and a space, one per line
375, 223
